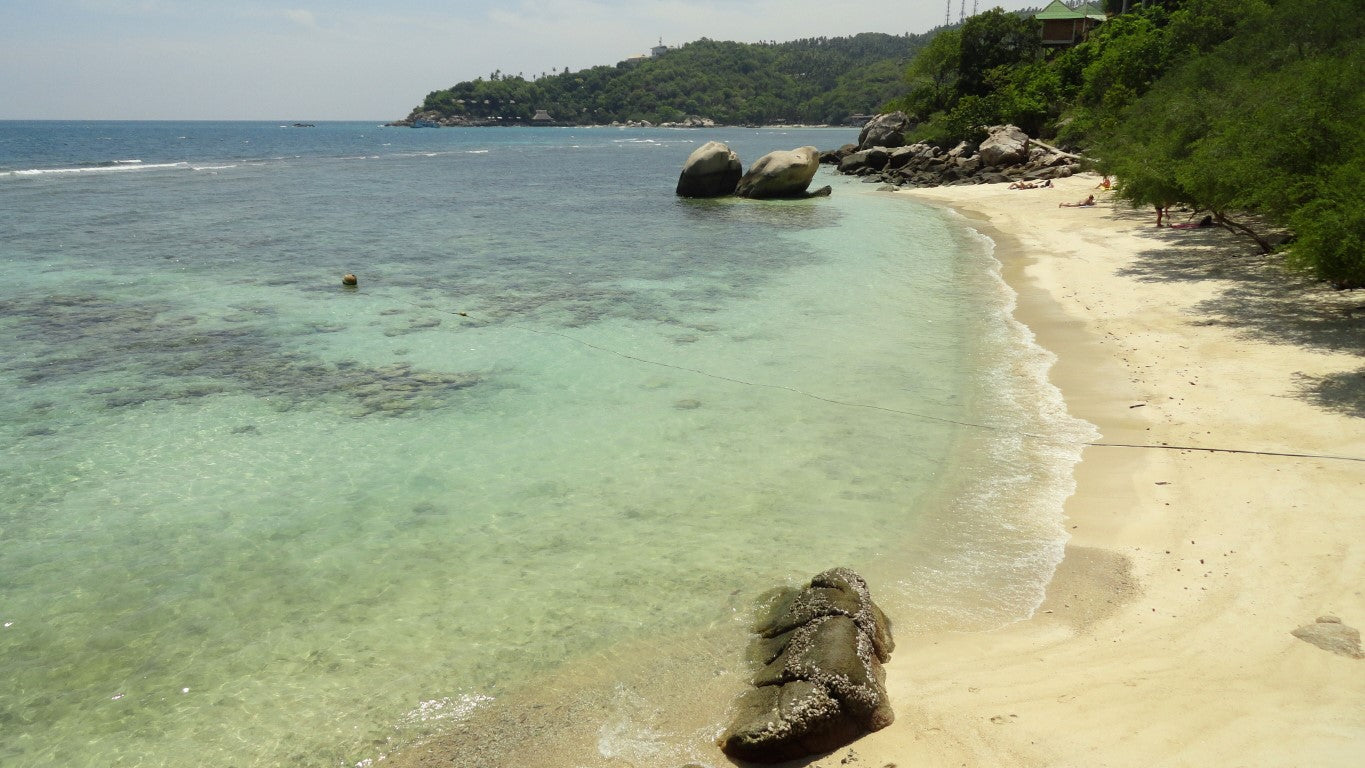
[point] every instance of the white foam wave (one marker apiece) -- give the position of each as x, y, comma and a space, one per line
442, 711
1006, 532
447, 708
114, 166
632, 734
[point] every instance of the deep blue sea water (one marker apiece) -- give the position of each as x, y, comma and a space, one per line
251, 517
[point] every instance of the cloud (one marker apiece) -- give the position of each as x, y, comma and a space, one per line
130, 7
303, 18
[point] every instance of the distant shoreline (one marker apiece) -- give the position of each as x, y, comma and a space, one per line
668, 126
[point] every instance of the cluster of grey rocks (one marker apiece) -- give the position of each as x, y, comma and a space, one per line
820, 685
1006, 155
714, 170
691, 121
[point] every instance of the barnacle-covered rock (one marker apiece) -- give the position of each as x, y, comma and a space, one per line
820, 685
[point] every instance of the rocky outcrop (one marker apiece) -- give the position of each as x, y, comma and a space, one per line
876, 157
1004, 145
781, 174
821, 683
833, 156
433, 119
691, 121
886, 130
1007, 155
712, 170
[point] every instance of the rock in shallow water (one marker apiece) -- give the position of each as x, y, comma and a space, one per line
821, 684
713, 170
781, 174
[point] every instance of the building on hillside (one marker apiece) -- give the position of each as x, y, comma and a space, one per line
1064, 26
542, 117
659, 49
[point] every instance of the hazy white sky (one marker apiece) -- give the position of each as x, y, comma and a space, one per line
368, 60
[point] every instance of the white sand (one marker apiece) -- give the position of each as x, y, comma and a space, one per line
1165, 639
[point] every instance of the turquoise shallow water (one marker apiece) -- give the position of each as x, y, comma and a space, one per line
252, 518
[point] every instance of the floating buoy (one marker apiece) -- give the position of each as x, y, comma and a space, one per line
349, 280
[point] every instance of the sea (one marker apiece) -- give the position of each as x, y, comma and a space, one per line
252, 517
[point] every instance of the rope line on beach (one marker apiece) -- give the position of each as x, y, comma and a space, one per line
888, 409
1247, 451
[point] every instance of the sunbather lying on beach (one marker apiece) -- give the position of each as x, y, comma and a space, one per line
1030, 185
1086, 203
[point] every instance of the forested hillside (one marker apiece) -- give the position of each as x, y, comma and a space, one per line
817, 80
1250, 110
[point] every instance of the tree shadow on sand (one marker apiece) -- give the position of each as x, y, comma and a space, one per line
1340, 392
1261, 299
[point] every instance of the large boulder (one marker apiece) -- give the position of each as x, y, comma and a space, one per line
875, 158
886, 130
833, 156
821, 683
781, 174
901, 156
1004, 145
712, 170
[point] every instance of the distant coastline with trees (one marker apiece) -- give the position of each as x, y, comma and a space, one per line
1249, 110
813, 81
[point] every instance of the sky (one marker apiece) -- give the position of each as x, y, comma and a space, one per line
363, 60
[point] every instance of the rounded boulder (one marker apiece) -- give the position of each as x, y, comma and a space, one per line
784, 173
712, 170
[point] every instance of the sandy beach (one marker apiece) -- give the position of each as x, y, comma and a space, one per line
1165, 638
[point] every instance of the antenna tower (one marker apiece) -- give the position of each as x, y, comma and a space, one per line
948, 14
962, 11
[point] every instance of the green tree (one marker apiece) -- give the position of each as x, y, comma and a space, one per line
991, 40
932, 76
1266, 123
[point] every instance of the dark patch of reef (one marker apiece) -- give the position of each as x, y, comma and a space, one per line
141, 352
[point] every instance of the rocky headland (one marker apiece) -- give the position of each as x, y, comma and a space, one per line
1006, 155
